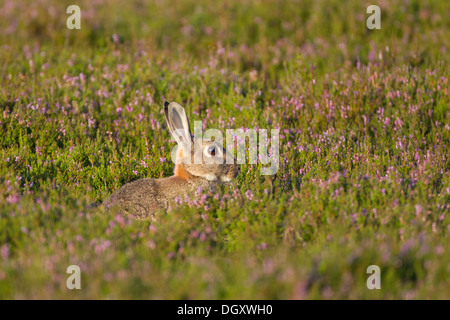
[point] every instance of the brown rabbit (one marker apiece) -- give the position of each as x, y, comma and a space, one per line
143, 197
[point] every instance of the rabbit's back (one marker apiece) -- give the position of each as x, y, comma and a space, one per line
139, 198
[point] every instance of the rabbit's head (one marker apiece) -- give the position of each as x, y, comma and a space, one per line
196, 157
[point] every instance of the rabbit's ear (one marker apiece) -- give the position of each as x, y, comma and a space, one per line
178, 122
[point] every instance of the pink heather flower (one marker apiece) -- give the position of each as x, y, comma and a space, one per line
171, 255
178, 200
144, 164
11, 199
152, 228
120, 220
399, 144
262, 246
102, 246
365, 120
151, 244
135, 172
417, 156
91, 122
4, 252
162, 159
408, 245
119, 110
398, 123
115, 38
249, 194
194, 234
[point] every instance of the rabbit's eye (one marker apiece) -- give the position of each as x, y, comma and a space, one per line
212, 151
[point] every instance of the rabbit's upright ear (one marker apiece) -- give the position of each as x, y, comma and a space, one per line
178, 122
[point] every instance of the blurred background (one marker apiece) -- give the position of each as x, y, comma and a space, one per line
258, 34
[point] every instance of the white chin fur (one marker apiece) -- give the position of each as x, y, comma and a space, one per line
210, 177
226, 179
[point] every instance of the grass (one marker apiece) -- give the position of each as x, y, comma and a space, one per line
364, 164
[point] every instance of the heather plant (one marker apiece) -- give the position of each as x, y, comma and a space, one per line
363, 167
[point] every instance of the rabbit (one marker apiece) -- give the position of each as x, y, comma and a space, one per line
142, 198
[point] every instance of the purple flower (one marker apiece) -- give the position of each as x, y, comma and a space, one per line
11, 199
4, 251
144, 164
262, 246
116, 38
178, 200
